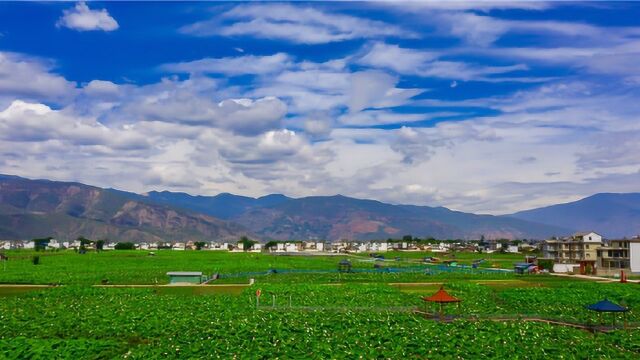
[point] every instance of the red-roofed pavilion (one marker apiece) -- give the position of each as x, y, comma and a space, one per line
442, 297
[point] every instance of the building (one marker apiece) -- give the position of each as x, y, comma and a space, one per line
580, 246
619, 255
576, 253
186, 277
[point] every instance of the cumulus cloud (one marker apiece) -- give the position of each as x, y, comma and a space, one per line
81, 18
29, 122
305, 25
22, 76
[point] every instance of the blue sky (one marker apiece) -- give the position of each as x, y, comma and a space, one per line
488, 107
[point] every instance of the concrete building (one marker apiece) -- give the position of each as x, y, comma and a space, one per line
577, 253
619, 255
580, 246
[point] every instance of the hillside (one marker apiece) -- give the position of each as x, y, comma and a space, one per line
612, 215
34, 208
223, 206
340, 217
38, 208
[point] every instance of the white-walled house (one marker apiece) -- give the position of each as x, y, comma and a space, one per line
178, 246
378, 246
54, 244
218, 246
313, 246
257, 247
28, 245
512, 249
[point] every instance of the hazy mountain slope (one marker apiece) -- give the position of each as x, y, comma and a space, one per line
340, 217
612, 215
223, 206
35, 208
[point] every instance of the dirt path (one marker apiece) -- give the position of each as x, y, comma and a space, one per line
593, 278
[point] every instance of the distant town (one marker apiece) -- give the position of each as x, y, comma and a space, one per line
585, 253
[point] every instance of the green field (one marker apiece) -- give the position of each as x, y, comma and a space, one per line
315, 315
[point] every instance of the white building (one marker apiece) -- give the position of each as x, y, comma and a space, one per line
512, 249
54, 244
218, 246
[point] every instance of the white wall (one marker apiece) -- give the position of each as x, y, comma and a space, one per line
594, 238
634, 256
564, 268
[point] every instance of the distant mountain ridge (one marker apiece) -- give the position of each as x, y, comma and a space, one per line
66, 210
223, 206
340, 217
611, 215
33, 208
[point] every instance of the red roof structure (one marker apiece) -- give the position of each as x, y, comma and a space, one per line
441, 297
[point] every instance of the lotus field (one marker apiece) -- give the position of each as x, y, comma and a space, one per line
300, 315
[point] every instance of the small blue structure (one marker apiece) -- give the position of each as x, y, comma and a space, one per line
186, 277
523, 268
607, 306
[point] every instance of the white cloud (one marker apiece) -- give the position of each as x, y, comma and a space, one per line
233, 65
377, 90
305, 25
81, 18
29, 122
427, 64
26, 77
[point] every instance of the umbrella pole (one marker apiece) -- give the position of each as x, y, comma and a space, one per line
614, 319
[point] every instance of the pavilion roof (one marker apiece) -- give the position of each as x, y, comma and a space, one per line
441, 297
607, 306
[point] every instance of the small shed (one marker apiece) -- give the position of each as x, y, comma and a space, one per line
344, 266
524, 268
185, 277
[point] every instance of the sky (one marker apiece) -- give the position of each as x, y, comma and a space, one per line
486, 107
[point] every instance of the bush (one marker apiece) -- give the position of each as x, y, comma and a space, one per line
36, 260
546, 264
125, 246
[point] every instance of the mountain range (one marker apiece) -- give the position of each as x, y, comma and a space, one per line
611, 215
66, 210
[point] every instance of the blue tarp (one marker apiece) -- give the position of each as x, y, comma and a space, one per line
607, 306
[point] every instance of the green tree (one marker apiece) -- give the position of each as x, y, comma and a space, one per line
199, 245
84, 241
100, 245
125, 246
41, 244
246, 243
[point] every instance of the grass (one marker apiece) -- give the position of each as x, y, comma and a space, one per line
316, 315
138, 267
